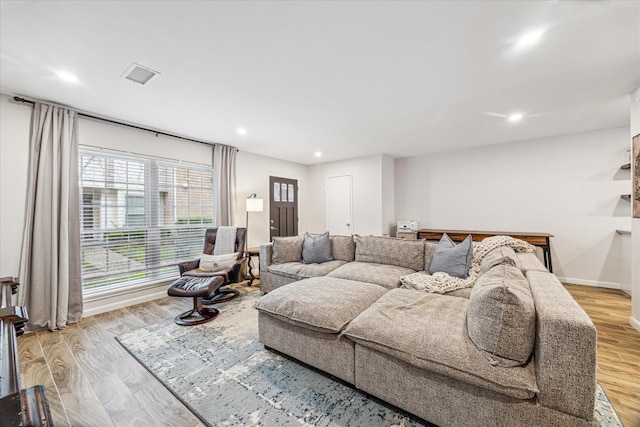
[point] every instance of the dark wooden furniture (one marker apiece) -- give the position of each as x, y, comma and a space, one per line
251, 252
18, 407
540, 240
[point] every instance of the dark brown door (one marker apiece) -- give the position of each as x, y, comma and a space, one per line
283, 202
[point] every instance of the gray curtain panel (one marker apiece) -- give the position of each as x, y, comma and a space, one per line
50, 275
224, 164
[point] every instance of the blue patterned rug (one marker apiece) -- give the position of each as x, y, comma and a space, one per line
223, 374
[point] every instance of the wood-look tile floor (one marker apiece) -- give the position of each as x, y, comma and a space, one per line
91, 380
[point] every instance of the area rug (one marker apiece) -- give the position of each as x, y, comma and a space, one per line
223, 374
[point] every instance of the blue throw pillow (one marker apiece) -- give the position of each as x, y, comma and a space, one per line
316, 250
452, 259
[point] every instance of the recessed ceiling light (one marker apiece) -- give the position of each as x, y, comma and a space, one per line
241, 131
317, 154
67, 77
530, 38
139, 74
515, 117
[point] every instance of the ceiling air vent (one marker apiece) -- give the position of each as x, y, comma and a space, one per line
139, 74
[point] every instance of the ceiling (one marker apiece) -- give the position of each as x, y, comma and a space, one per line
348, 79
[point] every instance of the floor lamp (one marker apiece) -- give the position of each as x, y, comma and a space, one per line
253, 205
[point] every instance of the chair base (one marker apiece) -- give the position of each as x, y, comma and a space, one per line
220, 296
199, 314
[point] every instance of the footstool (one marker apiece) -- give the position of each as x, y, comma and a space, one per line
197, 288
305, 320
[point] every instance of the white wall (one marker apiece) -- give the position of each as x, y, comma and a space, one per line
253, 172
15, 124
368, 193
568, 186
388, 209
635, 224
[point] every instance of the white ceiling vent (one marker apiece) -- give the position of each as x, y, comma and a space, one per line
139, 74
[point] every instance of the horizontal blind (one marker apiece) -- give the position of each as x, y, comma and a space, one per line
140, 217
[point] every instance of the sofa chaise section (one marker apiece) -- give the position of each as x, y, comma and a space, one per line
305, 320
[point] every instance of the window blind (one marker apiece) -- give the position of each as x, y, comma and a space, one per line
140, 217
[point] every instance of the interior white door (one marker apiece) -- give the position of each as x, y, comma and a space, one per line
339, 205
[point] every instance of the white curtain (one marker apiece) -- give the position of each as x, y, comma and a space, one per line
50, 275
224, 164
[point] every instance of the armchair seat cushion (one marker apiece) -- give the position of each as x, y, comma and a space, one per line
198, 272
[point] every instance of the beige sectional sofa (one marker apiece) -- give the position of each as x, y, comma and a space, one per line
514, 350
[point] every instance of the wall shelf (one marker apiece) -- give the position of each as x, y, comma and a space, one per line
624, 232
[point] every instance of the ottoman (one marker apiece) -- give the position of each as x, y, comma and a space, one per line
196, 288
305, 320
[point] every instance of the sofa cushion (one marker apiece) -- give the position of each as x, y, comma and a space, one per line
316, 249
343, 248
321, 304
429, 250
501, 317
381, 274
392, 251
299, 270
287, 249
452, 259
530, 262
429, 331
497, 256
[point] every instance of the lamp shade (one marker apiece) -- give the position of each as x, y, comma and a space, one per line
254, 205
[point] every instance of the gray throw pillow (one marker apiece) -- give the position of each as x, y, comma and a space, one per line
316, 249
452, 259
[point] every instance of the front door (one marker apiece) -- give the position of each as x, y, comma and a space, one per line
283, 198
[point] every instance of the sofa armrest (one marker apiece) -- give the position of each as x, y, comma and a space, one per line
188, 265
565, 348
266, 252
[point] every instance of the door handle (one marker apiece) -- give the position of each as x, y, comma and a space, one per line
273, 228
348, 225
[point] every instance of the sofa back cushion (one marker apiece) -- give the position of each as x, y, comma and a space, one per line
343, 248
429, 250
497, 256
392, 251
501, 316
287, 249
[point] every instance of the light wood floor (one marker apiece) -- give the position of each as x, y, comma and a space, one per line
618, 348
92, 381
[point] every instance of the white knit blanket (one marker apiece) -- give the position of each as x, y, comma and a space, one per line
441, 282
225, 241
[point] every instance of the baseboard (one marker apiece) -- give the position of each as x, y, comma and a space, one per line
120, 301
633, 322
610, 285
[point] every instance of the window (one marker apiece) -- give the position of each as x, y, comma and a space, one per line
140, 216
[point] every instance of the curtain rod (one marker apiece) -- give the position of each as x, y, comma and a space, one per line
89, 116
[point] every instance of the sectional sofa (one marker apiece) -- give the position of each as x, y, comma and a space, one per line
513, 350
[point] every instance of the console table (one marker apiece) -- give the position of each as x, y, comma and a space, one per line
540, 240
